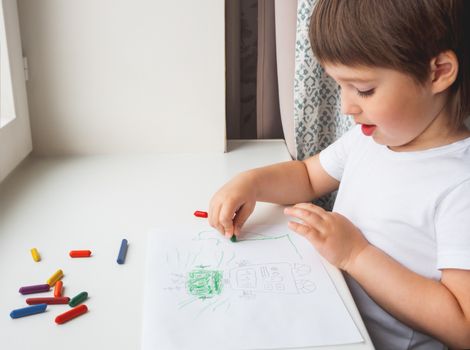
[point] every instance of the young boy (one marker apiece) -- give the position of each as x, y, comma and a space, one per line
400, 227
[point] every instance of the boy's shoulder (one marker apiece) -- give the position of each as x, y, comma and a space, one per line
458, 154
451, 163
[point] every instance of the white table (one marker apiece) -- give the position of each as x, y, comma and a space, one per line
63, 203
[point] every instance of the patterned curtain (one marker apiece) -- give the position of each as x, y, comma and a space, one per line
317, 113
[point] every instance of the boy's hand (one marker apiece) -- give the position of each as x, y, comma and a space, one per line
232, 204
333, 235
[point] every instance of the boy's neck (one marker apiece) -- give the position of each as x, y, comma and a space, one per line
438, 133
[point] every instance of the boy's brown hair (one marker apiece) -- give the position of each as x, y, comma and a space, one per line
398, 34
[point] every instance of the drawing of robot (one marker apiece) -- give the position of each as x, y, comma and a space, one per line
281, 278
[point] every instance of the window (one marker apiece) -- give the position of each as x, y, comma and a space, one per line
7, 104
15, 132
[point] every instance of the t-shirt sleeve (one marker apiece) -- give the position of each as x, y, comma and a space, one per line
453, 229
334, 157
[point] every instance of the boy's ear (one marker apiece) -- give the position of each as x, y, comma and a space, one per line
444, 69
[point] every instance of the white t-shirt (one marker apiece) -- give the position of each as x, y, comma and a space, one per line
415, 206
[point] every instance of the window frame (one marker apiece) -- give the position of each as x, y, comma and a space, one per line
7, 101
15, 136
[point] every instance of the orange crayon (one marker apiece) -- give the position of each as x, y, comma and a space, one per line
58, 289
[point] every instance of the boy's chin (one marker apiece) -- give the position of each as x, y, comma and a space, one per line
379, 139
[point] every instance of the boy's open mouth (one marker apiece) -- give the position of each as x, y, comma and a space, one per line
368, 129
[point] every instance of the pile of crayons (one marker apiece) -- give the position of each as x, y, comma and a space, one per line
39, 304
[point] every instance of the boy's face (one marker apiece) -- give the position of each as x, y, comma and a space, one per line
392, 108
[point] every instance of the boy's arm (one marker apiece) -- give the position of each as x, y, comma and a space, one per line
440, 308
293, 182
282, 183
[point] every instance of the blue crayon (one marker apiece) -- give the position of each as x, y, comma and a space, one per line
122, 252
29, 310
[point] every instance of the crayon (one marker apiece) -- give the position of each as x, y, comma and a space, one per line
48, 301
78, 299
55, 277
80, 253
200, 214
29, 310
38, 288
35, 255
68, 315
122, 252
58, 289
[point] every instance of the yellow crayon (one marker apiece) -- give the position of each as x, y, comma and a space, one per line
35, 255
55, 277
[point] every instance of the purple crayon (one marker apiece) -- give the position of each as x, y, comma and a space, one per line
39, 288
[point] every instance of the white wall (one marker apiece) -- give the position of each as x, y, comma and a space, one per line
15, 137
111, 76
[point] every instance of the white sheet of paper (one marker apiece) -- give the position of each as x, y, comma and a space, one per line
269, 290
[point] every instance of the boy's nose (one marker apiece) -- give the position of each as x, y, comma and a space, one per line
348, 105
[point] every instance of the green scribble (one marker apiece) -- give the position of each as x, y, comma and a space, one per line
221, 259
203, 283
295, 247
184, 303
260, 237
220, 304
233, 257
195, 257
201, 237
202, 266
204, 309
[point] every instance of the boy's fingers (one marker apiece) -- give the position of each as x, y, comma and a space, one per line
311, 208
212, 214
310, 217
308, 232
226, 219
227, 227
242, 215
214, 218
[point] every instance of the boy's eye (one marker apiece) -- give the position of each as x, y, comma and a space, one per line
365, 93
